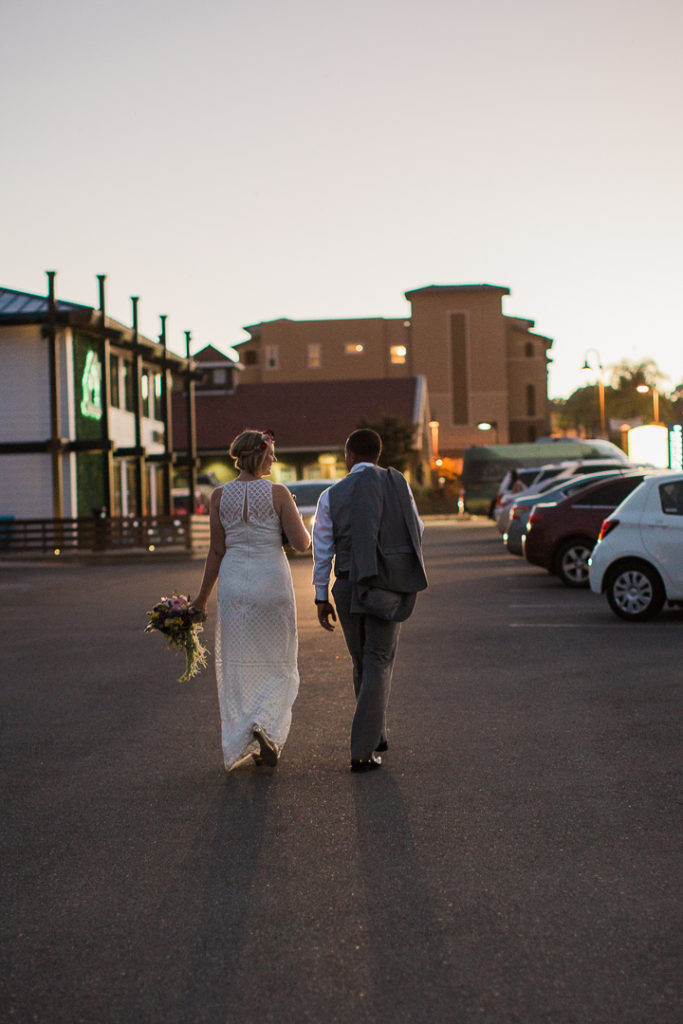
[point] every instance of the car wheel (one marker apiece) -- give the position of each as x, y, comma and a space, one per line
571, 562
635, 591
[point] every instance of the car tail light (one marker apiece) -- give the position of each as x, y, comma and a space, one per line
607, 527
536, 517
514, 512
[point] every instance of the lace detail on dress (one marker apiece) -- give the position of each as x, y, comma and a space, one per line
247, 500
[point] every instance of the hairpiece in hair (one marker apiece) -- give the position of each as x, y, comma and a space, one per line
269, 438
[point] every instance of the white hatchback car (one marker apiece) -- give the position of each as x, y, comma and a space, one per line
638, 560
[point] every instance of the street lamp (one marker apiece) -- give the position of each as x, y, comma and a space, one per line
643, 390
489, 425
601, 385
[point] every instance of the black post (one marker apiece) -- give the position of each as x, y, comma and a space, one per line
105, 401
167, 417
141, 503
191, 425
55, 401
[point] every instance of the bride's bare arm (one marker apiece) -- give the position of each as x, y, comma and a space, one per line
292, 523
215, 555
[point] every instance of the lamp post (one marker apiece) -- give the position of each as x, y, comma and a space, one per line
643, 389
601, 385
489, 425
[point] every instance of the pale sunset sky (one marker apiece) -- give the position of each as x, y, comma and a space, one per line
231, 162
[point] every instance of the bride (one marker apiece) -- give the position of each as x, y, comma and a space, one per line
256, 639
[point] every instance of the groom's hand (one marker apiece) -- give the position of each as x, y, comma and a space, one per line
325, 613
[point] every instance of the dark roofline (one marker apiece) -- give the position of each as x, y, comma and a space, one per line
38, 302
433, 289
77, 315
255, 329
519, 321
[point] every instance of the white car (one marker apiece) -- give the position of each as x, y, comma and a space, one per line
638, 560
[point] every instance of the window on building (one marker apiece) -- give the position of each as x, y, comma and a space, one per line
128, 403
530, 400
398, 353
529, 349
114, 382
220, 376
154, 395
144, 389
272, 357
314, 357
354, 348
250, 357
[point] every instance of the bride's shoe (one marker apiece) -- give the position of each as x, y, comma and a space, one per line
269, 752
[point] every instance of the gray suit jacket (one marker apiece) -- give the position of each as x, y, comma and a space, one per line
375, 519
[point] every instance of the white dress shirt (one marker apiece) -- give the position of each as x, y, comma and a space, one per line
323, 538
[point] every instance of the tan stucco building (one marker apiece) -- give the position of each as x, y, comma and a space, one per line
480, 365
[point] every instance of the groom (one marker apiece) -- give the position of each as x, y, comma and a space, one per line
368, 524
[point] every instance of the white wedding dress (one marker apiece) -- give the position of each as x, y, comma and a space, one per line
256, 639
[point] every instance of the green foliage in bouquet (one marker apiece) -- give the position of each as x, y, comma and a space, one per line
178, 619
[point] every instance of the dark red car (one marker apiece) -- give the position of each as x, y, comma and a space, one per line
560, 537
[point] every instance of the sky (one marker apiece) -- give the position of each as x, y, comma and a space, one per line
236, 162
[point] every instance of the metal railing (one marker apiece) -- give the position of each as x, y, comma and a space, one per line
95, 533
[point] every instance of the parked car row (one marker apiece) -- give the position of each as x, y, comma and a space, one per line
619, 532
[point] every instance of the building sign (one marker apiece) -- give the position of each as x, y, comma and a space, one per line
649, 445
658, 445
676, 447
91, 387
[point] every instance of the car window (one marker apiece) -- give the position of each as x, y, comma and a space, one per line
579, 484
596, 467
671, 497
307, 493
611, 494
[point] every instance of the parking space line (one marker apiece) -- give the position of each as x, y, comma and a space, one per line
545, 606
562, 625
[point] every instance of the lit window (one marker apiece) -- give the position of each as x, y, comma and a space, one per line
354, 348
398, 353
272, 357
314, 357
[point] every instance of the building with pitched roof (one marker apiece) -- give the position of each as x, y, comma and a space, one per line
310, 419
479, 365
85, 410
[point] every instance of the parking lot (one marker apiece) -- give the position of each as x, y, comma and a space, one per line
515, 860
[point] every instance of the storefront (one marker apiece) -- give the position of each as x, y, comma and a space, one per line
86, 421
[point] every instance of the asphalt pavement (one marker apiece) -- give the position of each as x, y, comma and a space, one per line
517, 858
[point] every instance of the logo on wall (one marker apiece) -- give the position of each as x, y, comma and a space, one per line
91, 387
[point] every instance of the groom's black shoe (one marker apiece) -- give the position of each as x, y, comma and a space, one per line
366, 766
381, 747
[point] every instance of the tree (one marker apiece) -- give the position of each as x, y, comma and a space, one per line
397, 440
581, 410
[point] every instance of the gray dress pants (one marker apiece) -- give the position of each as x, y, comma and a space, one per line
372, 644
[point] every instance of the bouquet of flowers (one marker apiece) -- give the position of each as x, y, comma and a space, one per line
178, 619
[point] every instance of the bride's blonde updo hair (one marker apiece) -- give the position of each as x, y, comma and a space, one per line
249, 449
